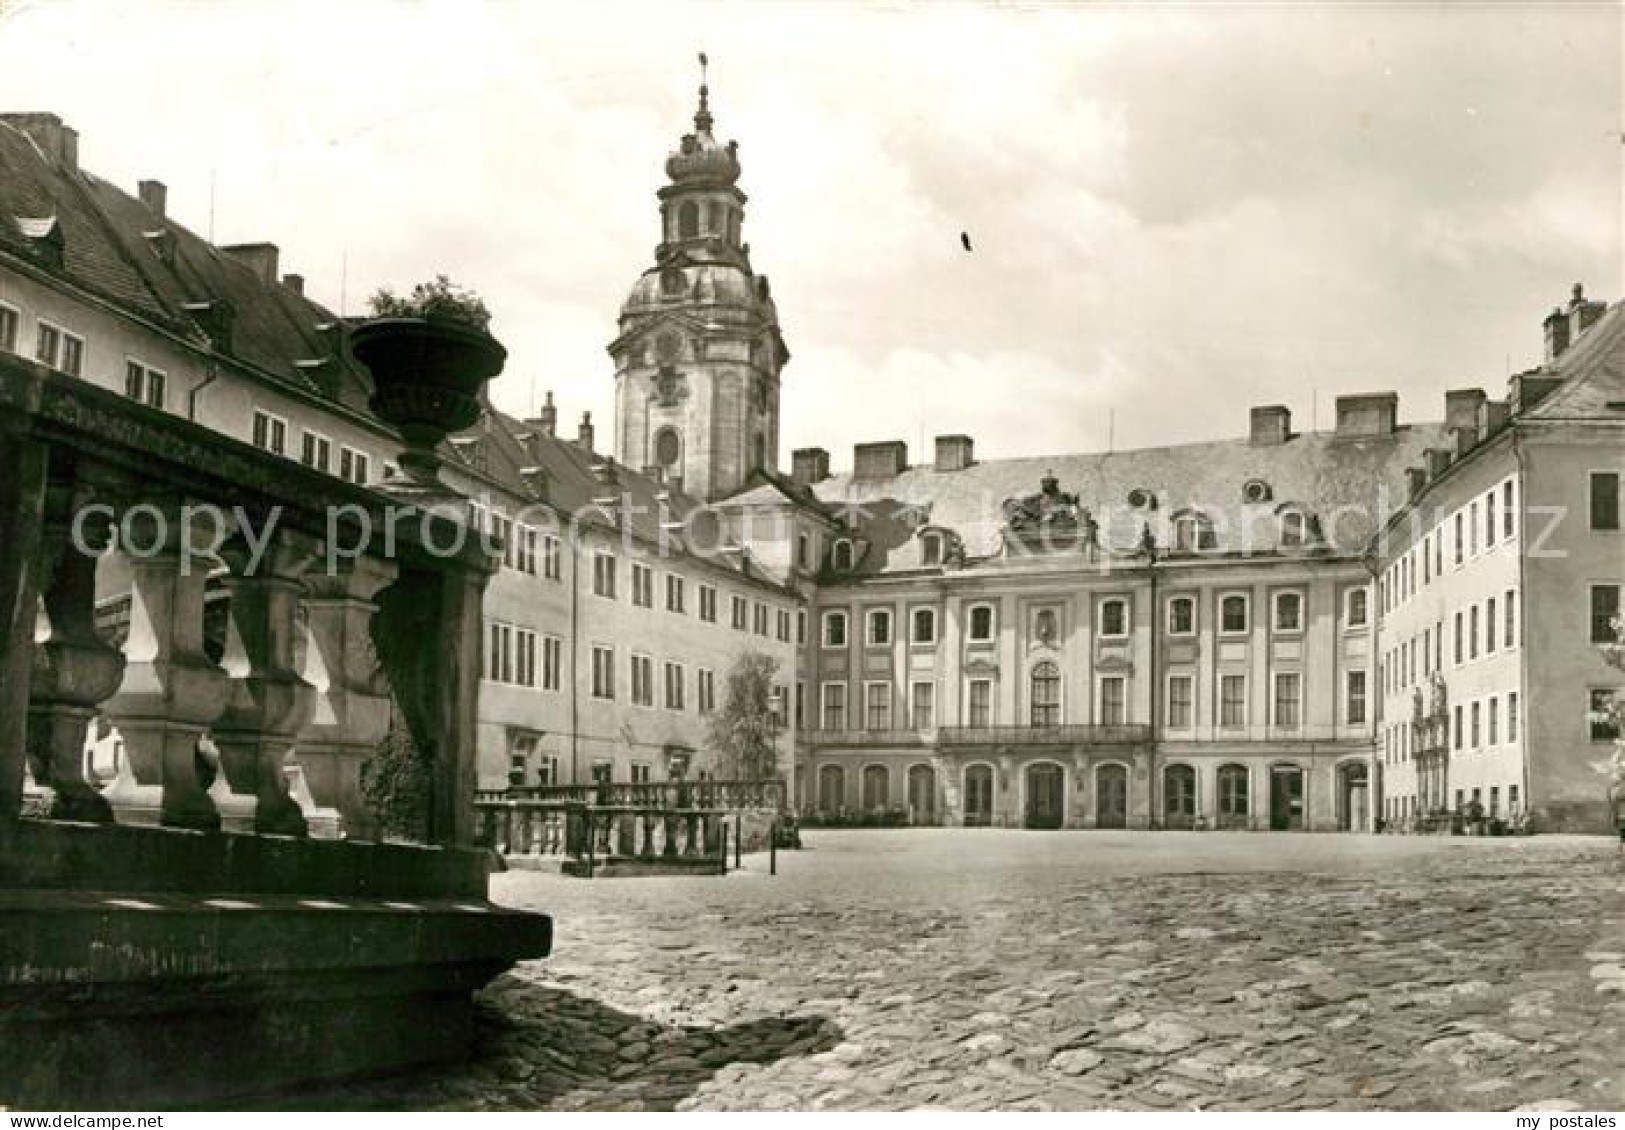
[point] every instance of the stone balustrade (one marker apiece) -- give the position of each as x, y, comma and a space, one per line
187, 896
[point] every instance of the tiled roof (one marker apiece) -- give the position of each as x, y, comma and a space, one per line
1593, 372
570, 484
1346, 483
106, 251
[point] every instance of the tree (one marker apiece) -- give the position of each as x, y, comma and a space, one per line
743, 730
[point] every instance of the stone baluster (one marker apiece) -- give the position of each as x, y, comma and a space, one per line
353, 704
22, 502
75, 669
172, 691
269, 703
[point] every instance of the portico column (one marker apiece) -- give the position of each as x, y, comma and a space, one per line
22, 505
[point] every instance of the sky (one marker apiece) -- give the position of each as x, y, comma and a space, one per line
1176, 212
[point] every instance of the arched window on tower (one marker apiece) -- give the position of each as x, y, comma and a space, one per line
688, 220
713, 218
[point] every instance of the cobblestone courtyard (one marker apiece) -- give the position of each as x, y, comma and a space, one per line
979, 969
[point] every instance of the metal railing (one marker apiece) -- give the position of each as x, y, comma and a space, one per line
1079, 734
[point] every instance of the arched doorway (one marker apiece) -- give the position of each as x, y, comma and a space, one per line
876, 788
1353, 797
1235, 796
922, 794
1111, 797
978, 796
831, 789
1046, 795
1286, 798
1179, 797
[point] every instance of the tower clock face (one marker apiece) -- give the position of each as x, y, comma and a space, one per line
667, 348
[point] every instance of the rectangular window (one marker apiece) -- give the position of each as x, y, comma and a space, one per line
759, 618
1512, 716
354, 466
706, 690
9, 321
675, 596
708, 604
1489, 519
674, 686
316, 451
877, 706
1113, 700
603, 575
1604, 608
511, 655
1232, 701
603, 672
1459, 640
923, 626
1472, 529
1495, 720
981, 623
1461, 539
1604, 728
1460, 727
1605, 500
1511, 617
643, 681
640, 772
144, 384
1477, 712
1354, 699
270, 433
643, 585
551, 564
1506, 509
56, 348
879, 632
1233, 614
501, 530
73, 354
524, 549
782, 620
834, 629
1288, 713
1180, 693
740, 613
48, 345
1490, 624
1472, 632
552, 662
922, 706
834, 711
801, 625
979, 703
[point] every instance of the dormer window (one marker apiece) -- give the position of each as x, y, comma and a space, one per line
841, 556
1293, 528
1193, 531
931, 549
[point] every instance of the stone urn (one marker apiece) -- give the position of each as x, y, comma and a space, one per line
427, 374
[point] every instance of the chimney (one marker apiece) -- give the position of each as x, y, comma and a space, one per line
153, 194
1465, 439
261, 258
955, 453
548, 422
584, 432
58, 142
1438, 460
1493, 417
1270, 425
1557, 334
1416, 480
809, 466
1583, 313
295, 283
1367, 415
1462, 406
883, 460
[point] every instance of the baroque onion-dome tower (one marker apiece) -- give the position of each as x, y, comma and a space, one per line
699, 354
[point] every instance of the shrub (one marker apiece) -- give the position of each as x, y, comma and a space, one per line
440, 299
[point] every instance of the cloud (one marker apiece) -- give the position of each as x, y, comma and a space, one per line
1176, 212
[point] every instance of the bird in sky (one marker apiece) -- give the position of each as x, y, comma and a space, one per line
964, 238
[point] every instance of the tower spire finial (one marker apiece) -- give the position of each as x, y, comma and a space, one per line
702, 117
